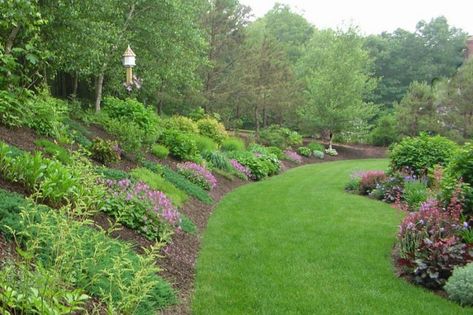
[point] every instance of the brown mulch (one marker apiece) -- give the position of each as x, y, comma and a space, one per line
22, 138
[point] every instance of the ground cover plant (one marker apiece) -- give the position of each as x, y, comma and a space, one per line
197, 174
277, 241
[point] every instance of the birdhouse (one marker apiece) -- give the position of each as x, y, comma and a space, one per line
129, 58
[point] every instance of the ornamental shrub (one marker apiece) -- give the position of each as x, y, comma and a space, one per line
159, 151
181, 145
280, 137
212, 128
232, 144
422, 153
319, 154
105, 151
459, 286
276, 151
47, 115
304, 151
370, 180
198, 175
130, 110
181, 123
331, 152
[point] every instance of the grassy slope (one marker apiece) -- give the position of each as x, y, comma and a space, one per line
298, 244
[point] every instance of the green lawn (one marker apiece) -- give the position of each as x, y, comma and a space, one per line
298, 244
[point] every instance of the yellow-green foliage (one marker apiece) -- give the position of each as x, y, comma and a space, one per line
213, 129
181, 123
155, 181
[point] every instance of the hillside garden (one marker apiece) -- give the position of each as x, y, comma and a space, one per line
108, 188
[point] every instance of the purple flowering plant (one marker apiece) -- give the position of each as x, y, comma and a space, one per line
197, 174
293, 156
241, 168
141, 208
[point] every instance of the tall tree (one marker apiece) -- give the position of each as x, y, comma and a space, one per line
336, 68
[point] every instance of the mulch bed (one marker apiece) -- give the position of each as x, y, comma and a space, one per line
179, 257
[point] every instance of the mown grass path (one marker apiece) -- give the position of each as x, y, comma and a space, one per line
298, 244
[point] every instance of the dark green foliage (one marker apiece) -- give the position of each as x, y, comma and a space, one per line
179, 181
315, 146
112, 173
181, 145
233, 144
210, 127
10, 206
304, 151
47, 115
54, 150
205, 144
280, 137
385, 132
218, 160
421, 153
159, 151
187, 225
105, 151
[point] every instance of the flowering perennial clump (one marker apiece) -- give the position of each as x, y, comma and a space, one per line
197, 174
369, 180
293, 156
429, 245
241, 168
142, 208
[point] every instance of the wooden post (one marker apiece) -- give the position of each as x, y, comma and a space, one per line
129, 75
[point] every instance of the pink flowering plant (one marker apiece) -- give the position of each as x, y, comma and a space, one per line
197, 174
293, 156
141, 208
428, 243
241, 169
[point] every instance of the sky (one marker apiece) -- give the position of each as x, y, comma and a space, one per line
374, 16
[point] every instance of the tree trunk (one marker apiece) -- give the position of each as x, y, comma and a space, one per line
75, 85
330, 141
11, 39
63, 85
98, 91
265, 117
257, 122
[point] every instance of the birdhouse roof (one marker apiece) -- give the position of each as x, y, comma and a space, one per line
129, 53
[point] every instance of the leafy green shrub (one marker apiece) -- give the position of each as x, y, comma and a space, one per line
421, 153
182, 124
48, 115
179, 181
205, 144
461, 165
130, 135
260, 166
130, 110
280, 137
182, 146
157, 182
105, 151
258, 148
218, 160
85, 257
36, 290
385, 132
415, 193
353, 185
304, 151
54, 150
112, 173
276, 152
315, 146
460, 285
159, 151
213, 129
12, 109
233, 144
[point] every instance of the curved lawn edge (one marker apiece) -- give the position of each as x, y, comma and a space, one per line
298, 244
